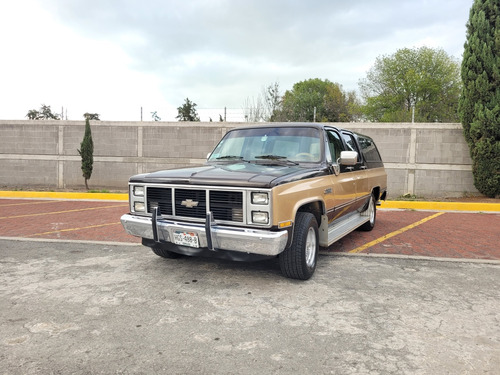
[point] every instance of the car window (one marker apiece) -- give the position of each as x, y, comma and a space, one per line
335, 145
351, 144
369, 149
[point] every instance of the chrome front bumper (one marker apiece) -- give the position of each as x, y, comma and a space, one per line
211, 236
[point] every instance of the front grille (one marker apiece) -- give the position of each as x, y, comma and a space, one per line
227, 205
192, 203
161, 198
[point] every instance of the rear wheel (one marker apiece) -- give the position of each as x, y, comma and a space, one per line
371, 212
298, 261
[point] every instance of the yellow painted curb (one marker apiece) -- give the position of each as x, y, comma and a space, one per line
442, 206
64, 195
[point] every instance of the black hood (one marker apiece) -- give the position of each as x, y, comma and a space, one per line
234, 174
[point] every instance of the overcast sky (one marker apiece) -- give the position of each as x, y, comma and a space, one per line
113, 57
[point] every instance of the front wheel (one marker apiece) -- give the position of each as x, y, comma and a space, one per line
298, 261
163, 251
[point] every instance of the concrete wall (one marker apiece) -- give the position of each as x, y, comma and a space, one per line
422, 159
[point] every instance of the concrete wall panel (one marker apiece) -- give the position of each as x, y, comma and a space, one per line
422, 159
28, 173
33, 138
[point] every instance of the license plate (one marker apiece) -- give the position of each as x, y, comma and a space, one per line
186, 239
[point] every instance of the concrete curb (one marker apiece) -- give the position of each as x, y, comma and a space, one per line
405, 205
412, 257
321, 252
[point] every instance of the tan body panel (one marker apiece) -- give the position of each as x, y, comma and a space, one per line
288, 198
338, 194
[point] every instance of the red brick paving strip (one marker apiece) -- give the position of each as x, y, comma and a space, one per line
74, 220
451, 235
386, 222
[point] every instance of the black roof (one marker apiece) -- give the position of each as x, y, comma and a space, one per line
316, 125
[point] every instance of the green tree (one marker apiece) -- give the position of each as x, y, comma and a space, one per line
86, 151
424, 79
187, 112
272, 100
155, 116
45, 113
317, 99
267, 104
33, 114
480, 99
91, 116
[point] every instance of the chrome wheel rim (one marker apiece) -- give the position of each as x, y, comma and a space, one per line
310, 248
371, 209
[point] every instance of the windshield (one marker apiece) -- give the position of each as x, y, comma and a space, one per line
268, 145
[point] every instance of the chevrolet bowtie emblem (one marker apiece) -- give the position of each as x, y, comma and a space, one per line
189, 203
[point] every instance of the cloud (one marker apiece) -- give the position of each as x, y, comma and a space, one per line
219, 52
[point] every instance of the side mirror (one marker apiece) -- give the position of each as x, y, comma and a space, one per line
348, 158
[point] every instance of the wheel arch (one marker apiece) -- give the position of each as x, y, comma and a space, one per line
379, 194
315, 207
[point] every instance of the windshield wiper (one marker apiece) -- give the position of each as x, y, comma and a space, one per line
276, 158
271, 157
231, 157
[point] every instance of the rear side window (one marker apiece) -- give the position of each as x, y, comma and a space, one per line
370, 151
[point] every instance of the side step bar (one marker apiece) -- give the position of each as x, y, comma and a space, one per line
339, 229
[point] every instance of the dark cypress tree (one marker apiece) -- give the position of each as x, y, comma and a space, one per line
86, 151
479, 104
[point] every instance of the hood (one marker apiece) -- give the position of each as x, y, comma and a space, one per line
234, 174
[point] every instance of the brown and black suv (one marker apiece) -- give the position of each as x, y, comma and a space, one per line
270, 190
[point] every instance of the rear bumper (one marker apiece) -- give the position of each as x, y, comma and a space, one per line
213, 237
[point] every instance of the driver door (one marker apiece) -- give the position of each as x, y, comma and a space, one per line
340, 197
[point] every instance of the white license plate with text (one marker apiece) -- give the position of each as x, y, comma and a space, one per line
186, 239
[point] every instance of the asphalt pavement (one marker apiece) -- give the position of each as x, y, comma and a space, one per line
70, 308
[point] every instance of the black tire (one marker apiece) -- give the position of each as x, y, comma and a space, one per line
299, 260
371, 212
163, 251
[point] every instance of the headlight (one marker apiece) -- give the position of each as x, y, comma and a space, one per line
259, 217
260, 198
138, 191
139, 207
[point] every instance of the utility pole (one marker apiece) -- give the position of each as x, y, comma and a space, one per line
314, 116
413, 101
